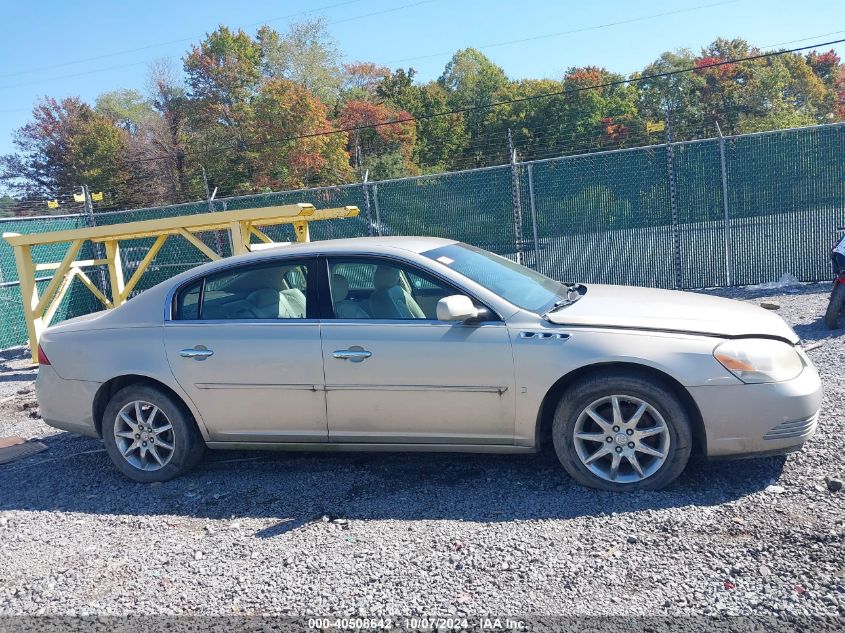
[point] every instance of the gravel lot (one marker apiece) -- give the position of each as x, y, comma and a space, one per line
370, 535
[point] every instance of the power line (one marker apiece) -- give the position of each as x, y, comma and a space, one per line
168, 43
464, 110
129, 65
570, 32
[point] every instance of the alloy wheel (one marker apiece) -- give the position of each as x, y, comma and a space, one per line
144, 436
621, 438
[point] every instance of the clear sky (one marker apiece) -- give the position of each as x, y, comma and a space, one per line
61, 48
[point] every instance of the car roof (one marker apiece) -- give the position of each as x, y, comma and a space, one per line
352, 244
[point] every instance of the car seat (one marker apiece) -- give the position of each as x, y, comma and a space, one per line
343, 307
389, 300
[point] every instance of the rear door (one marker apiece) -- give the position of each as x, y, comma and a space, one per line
245, 345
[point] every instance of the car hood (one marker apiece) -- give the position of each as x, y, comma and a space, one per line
670, 310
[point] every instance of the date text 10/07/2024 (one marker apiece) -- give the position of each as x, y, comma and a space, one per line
418, 623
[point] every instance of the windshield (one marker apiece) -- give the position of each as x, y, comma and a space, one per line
517, 284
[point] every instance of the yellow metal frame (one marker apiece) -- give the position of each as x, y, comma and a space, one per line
242, 225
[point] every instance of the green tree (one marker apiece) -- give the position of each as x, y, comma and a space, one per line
306, 54
472, 80
65, 145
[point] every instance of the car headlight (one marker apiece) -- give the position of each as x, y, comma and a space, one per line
758, 360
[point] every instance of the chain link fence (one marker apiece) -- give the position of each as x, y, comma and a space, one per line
745, 210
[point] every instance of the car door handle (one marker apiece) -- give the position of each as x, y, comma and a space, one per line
197, 353
355, 354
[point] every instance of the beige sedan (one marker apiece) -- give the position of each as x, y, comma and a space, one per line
426, 344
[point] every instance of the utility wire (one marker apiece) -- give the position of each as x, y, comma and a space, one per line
168, 43
570, 32
464, 110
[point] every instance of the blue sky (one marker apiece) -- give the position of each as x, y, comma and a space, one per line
60, 48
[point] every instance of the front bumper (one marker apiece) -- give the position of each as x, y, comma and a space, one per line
766, 418
66, 404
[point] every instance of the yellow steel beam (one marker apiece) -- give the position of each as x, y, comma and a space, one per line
302, 232
193, 239
240, 238
79, 263
67, 279
261, 235
136, 276
193, 223
29, 297
115, 270
242, 224
94, 290
64, 266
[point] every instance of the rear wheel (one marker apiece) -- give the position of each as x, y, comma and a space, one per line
149, 436
621, 431
833, 316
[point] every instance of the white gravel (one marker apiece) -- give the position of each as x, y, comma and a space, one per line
413, 534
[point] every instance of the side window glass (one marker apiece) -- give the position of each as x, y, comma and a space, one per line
383, 289
188, 303
255, 292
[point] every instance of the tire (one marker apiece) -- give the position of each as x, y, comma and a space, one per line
119, 436
664, 427
834, 308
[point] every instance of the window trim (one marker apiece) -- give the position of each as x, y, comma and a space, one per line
327, 302
311, 296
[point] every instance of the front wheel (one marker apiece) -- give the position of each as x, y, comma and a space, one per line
834, 308
149, 436
619, 431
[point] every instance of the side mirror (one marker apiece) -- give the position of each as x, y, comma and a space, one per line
456, 308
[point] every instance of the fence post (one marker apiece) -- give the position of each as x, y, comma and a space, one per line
728, 246
533, 210
218, 235
673, 202
98, 247
367, 204
378, 211
517, 202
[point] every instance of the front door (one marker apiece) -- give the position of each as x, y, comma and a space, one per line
245, 347
394, 373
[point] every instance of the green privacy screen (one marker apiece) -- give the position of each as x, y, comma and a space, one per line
735, 211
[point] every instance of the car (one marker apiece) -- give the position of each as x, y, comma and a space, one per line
426, 344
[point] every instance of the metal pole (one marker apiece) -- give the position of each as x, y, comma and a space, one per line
533, 217
517, 202
367, 203
728, 247
378, 211
98, 247
218, 235
673, 202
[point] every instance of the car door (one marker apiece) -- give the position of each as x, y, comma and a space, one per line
394, 373
245, 346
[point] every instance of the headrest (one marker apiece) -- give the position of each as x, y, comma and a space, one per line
340, 288
270, 277
385, 278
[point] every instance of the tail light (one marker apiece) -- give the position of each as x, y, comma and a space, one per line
42, 357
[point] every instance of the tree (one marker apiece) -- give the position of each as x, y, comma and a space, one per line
127, 109
65, 145
385, 150
361, 80
284, 109
306, 54
472, 81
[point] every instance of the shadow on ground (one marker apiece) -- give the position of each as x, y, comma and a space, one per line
75, 475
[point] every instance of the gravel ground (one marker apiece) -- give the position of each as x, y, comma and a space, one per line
370, 535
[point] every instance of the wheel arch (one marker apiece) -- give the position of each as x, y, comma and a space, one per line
109, 388
545, 415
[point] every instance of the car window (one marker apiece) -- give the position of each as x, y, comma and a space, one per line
276, 291
521, 286
383, 289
